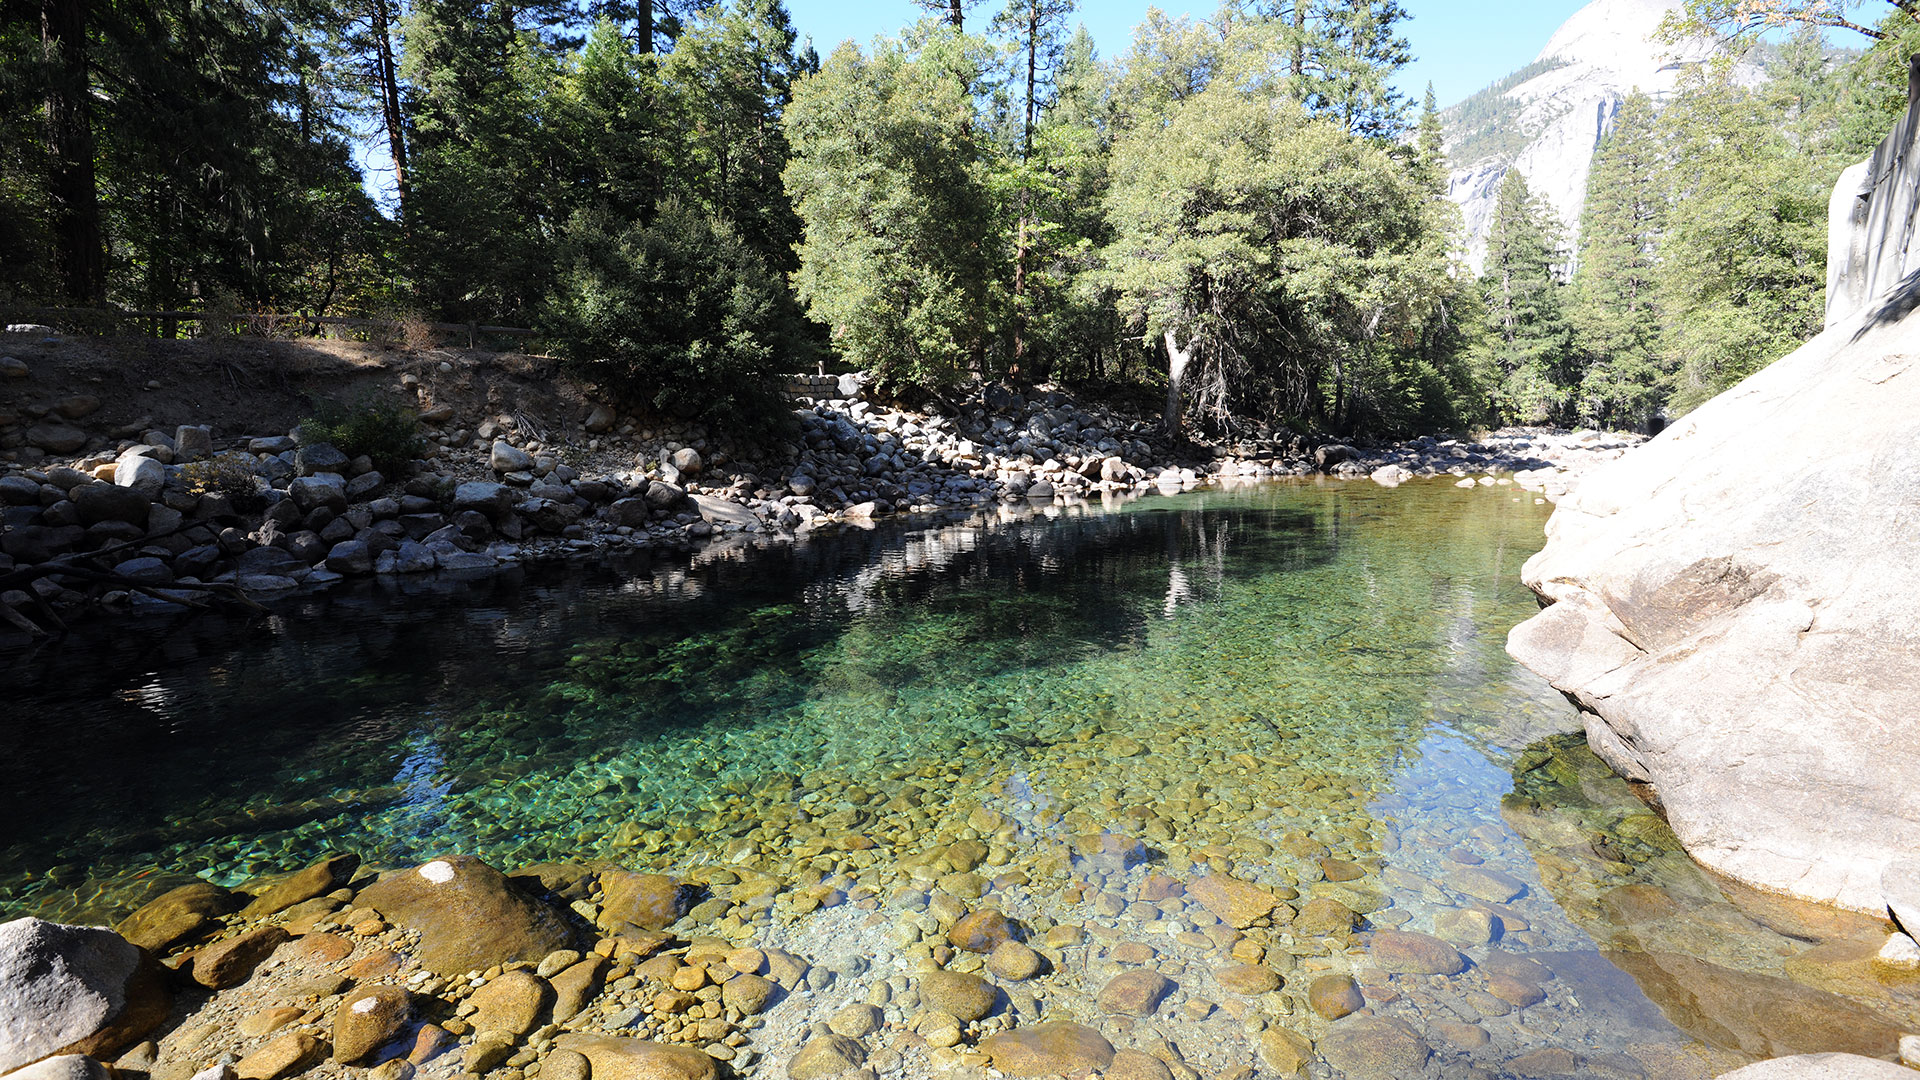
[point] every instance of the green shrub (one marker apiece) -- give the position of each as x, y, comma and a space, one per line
230, 474
680, 314
386, 432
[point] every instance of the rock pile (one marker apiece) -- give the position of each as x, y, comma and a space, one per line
137, 514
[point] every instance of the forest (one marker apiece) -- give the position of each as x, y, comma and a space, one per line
1237, 215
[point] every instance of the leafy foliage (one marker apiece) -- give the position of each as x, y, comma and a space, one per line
1616, 309
1298, 262
1743, 262
889, 178
1529, 342
386, 432
680, 314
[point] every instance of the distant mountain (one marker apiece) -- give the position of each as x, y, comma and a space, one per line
1547, 118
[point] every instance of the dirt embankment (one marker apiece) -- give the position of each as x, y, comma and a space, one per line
243, 386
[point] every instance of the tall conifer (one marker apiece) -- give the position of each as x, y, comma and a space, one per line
1616, 308
1529, 342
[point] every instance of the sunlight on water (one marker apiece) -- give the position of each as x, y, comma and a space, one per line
1305, 684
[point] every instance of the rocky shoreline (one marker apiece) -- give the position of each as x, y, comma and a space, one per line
902, 933
136, 517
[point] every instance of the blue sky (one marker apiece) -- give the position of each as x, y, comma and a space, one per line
1460, 45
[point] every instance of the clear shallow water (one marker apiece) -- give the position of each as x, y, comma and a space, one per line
1255, 680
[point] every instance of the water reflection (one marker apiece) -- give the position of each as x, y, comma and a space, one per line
1302, 683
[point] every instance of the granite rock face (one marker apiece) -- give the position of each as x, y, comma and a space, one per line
1549, 124
1734, 605
1871, 218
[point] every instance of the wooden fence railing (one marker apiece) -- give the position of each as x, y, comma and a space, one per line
167, 324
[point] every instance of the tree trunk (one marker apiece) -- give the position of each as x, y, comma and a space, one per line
390, 100
643, 28
1019, 293
1177, 361
1026, 153
72, 194
1033, 66
957, 14
1299, 39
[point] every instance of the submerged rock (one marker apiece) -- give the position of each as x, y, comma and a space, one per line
1376, 1048
826, 1056
1237, 903
1408, 953
637, 1059
1051, 1049
643, 901
322, 877
958, 994
178, 915
1135, 993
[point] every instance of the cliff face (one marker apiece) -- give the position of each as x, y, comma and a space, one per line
1548, 123
1735, 605
1871, 218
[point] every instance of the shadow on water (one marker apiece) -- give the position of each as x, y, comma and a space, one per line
168, 734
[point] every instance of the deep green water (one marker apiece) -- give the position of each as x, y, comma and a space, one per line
1345, 637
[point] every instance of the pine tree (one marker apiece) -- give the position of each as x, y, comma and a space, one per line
1429, 145
1034, 28
889, 174
953, 11
1529, 346
728, 80
485, 210
1743, 256
1346, 55
1616, 310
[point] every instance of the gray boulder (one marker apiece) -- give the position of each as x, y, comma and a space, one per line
507, 458
411, 557
687, 460
56, 438
718, 511
146, 570
1732, 604
19, 491
191, 442
141, 473
73, 990
496, 501
630, 512
97, 502
63, 1067
350, 557
365, 484
319, 458
322, 489
663, 495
